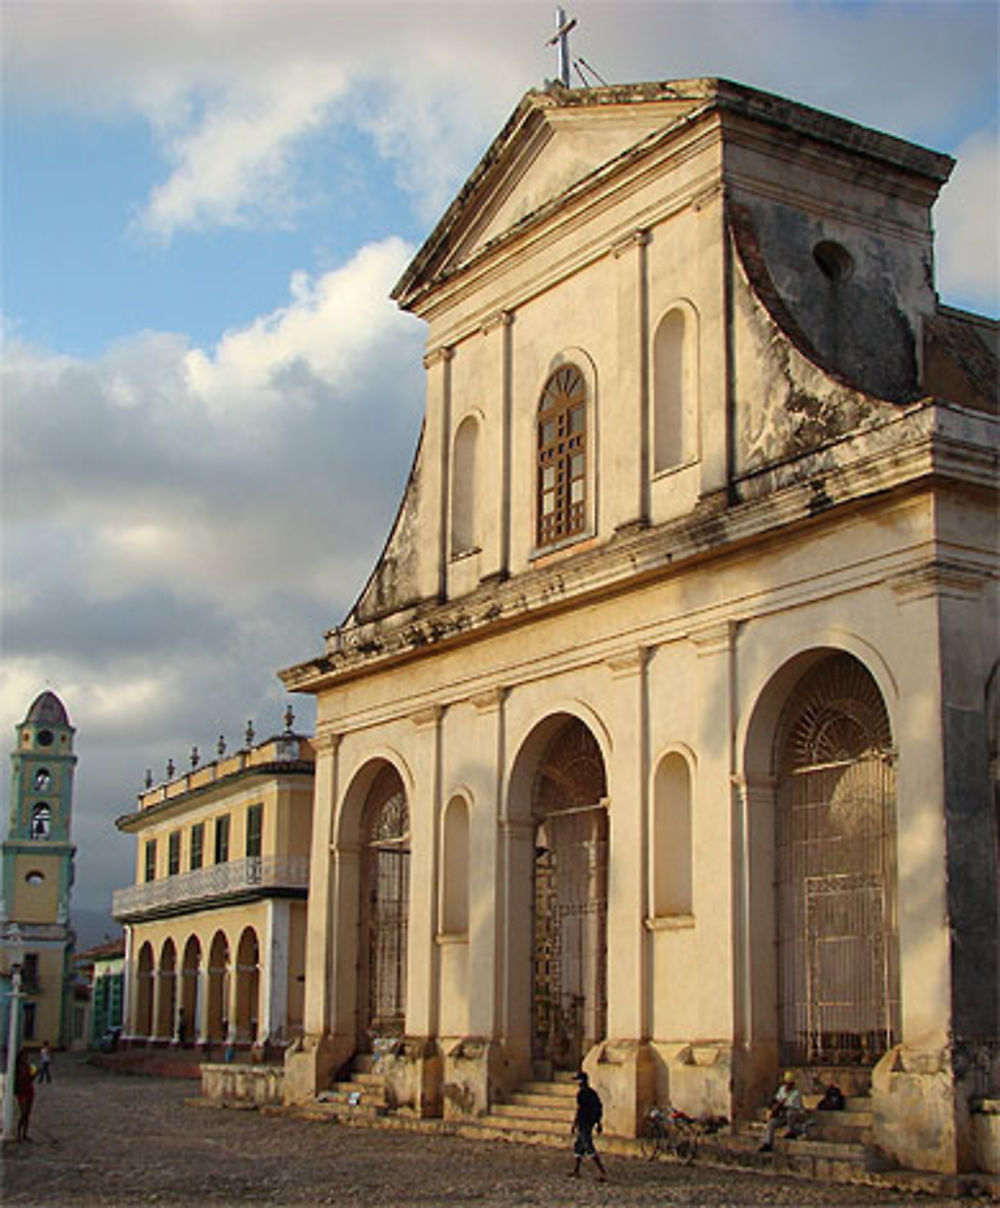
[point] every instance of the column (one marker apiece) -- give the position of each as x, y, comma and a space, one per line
631, 428
435, 462
717, 812
274, 969
485, 880
130, 995
425, 811
320, 907
497, 330
628, 779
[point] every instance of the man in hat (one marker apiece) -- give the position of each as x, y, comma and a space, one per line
588, 1119
786, 1108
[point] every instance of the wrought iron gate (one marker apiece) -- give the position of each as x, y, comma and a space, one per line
835, 833
570, 900
387, 884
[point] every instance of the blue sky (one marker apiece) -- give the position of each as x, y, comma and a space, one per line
209, 403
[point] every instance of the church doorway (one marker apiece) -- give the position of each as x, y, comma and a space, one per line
570, 898
385, 904
835, 834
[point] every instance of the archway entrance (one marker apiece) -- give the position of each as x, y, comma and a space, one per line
385, 905
569, 949
835, 834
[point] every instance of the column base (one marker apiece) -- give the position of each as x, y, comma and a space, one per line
476, 1074
922, 1102
311, 1064
623, 1073
412, 1069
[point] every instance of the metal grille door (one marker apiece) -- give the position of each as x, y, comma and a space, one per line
570, 901
837, 934
387, 883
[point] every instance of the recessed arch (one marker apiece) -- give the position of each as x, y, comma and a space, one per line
822, 879
455, 872
672, 864
384, 903
559, 786
217, 1021
675, 409
145, 967
466, 476
248, 982
190, 989
166, 986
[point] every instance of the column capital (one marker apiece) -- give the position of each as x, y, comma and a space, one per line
634, 239
326, 742
490, 700
628, 662
430, 715
444, 352
497, 318
714, 638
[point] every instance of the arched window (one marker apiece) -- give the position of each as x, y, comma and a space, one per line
464, 484
674, 403
562, 457
455, 889
672, 847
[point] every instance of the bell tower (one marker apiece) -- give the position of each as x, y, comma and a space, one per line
37, 864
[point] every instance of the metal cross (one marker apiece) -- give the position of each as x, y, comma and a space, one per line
561, 39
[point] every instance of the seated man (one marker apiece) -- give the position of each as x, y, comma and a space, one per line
786, 1108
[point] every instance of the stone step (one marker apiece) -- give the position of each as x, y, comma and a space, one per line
540, 1117
524, 1127
361, 1079
852, 1103
748, 1138
559, 1090
549, 1103
367, 1093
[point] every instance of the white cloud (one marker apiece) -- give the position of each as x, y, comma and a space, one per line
232, 164
966, 217
174, 535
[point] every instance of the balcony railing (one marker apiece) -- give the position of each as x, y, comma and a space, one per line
254, 874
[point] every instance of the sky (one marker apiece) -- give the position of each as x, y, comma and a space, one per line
210, 404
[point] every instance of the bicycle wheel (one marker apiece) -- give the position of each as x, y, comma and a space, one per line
650, 1141
686, 1149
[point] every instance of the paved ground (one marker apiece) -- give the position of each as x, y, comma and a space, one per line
106, 1139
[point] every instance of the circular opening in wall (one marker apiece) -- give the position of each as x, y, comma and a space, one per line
834, 260
35, 877
45, 738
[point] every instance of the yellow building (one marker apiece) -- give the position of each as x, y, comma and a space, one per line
215, 922
37, 861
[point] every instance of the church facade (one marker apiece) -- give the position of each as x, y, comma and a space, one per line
662, 739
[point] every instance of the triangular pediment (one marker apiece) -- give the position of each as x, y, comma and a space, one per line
553, 141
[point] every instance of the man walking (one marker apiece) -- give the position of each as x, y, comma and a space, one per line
588, 1119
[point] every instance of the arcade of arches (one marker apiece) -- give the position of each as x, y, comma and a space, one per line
209, 985
683, 934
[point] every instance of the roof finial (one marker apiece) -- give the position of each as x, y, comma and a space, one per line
560, 39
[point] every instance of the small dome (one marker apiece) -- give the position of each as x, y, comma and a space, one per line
48, 710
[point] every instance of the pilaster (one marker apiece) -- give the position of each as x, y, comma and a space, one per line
627, 970
629, 433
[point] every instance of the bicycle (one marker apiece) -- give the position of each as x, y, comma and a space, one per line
672, 1133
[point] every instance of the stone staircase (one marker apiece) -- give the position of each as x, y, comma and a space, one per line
361, 1096
538, 1112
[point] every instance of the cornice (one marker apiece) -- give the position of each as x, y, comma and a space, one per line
896, 456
